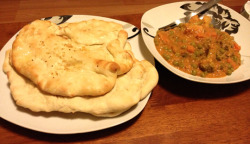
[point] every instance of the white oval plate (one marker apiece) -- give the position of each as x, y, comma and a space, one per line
61, 123
231, 21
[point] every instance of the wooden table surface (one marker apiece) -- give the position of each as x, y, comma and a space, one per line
178, 111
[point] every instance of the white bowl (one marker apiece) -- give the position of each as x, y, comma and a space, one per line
231, 22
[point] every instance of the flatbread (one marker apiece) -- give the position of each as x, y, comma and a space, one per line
76, 59
129, 89
102, 33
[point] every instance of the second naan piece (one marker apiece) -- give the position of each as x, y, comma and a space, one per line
129, 89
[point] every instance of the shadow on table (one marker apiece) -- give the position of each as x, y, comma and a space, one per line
195, 90
78, 137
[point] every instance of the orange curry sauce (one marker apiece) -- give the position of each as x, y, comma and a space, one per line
199, 49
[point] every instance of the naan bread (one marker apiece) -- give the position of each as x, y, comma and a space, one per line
76, 59
129, 89
105, 34
91, 32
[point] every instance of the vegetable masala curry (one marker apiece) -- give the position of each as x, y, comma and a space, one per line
199, 49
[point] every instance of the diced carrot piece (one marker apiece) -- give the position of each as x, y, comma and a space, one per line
163, 36
236, 46
234, 65
207, 19
199, 30
194, 19
200, 35
213, 34
190, 49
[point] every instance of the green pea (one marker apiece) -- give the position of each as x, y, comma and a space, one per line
183, 47
181, 65
156, 42
203, 74
194, 65
178, 54
171, 32
194, 72
193, 44
199, 46
229, 72
165, 47
169, 50
167, 57
176, 63
235, 58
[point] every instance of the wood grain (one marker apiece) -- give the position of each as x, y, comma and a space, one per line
29, 10
178, 111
